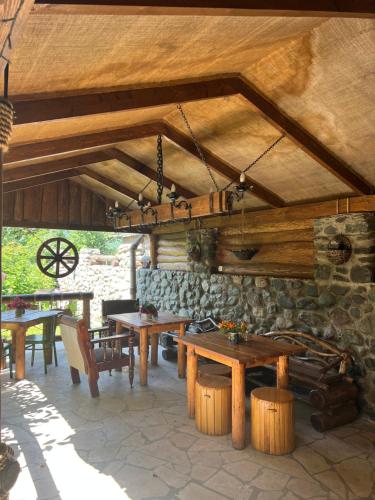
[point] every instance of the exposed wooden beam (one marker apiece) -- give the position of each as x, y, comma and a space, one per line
58, 108
296, 217
40, 180
303, 138
79, 143
295, 8
48, 167
173, 92
143, 169
110, 183
220, 166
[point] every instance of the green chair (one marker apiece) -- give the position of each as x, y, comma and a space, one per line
6, 352
45, 341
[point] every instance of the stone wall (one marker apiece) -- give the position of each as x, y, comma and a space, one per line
337, 305
107, 276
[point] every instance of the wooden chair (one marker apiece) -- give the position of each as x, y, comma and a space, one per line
85, 355
46, 341
6, 352
115, 307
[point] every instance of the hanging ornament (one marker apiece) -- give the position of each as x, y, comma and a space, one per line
339, 249
57, 258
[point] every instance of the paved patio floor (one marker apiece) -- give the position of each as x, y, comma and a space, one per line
134, 444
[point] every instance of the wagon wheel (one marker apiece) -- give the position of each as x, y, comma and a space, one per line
57, 257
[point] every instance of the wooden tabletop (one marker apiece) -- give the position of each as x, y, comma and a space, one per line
30, 316
256, 349
133, 319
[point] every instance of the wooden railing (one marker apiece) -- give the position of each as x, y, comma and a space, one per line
53, 297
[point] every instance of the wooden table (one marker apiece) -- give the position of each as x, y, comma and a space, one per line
19, 326
257, 351
152, 328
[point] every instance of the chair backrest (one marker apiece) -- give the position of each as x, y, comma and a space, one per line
76, 339
118, 307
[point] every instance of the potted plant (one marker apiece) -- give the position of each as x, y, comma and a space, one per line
149, 310
19, 306
235, 331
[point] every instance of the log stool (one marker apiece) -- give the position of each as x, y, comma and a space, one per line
213, 405
214, 369
272, 420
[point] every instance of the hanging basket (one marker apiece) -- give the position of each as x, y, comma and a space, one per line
245, 253
339, 249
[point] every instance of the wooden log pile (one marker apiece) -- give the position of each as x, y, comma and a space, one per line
171, 252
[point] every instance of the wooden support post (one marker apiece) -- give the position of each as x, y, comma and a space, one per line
154, 349
153, 251
282, 372
192, 373
238, 406
143, 340
3, 361
181, 357
86, 311
47, 350
19, 335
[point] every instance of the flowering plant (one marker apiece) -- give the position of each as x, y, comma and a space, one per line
232, 326
148, 308
18, 303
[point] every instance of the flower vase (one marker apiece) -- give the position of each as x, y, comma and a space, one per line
149, 317
19, 312
234, 338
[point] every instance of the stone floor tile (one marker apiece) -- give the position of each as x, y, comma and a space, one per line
362, 443
141, 483
227, 485
181, 440
143, 460
358, 475
165, 450
171, 477
201, 472
270, 480
289, 496
244, 470
332, 481
285, 464
205, 457
311, 460
194, 491
269, 495
335, 449
155, 432
306, 489
343, 431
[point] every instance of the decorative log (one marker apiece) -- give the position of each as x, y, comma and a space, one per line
174, 237
153, 246
213, 403
287, 270
172, 258
238, 240
338, 416
272, 420
171, 251
336, 395
172, 242
180, 266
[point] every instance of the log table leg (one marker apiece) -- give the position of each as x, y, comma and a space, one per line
143, 340
238, 406
118, 332
282, 372
192, 373
20, 334
154, 349
181, 354
47, 350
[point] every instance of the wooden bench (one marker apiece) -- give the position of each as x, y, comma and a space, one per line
321, 378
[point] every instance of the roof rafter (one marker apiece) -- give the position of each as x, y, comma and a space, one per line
54, 108
40, 180
344, 8
219, 165
143, 169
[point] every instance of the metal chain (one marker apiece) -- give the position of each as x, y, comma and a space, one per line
141, 191
197, 146
279, 139
159, 172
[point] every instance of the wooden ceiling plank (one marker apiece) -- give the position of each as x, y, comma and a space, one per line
49, 167
220, 166
284, 8
40, 180
78, 143
110, 183
58, 108
143, 169
307, 142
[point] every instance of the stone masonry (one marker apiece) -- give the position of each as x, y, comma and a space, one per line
337, 305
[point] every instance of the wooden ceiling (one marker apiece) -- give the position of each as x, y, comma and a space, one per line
93, 83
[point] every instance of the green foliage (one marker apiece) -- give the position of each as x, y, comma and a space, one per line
19, 248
